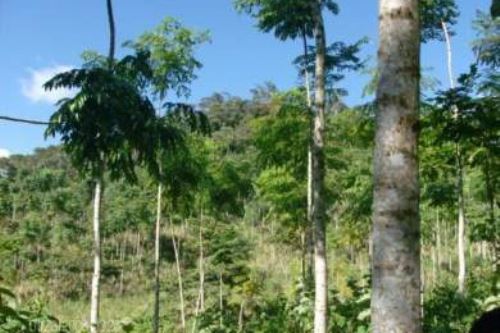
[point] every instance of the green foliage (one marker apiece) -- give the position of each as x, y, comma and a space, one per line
287, 19
487, 44
285, 195
446, 310
229, 253
171, 47
108, 124
281, 138
352, 314
31, 319
432, 14
340, 58
495, 8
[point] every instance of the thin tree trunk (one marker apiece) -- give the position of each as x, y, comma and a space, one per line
221, 301
461, 223
396, 222
111, 22
202, 266
307, 82
449, 58
434, 264
309, 226
200, 301
460, 174
156, 311
451, 232
303, 256
490, 193
179, 281
240, 316
317, 173
439, 254
96, 276
14, 209
122, 271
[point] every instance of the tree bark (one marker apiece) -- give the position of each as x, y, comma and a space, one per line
122, 270
96, 276
309, 226
449, 58
307, 83
202, 267
461, 248
179, 281
461, 222
156, 310
317, 175
112, 37
221, 301
240, 316
439, 254
396, 281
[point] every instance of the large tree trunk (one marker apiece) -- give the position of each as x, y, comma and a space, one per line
396, 222
96, 276
156, 313
317, 173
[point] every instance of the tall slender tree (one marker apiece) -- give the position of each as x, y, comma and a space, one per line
171, 48
106, 126
292, 19
318, 176
396, 223
96, 276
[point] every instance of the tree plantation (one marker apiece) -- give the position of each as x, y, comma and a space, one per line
271, 210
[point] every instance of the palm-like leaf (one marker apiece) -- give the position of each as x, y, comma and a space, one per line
108, 124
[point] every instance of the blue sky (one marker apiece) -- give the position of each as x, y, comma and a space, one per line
39, 37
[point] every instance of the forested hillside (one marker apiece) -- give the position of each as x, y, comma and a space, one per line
232, 214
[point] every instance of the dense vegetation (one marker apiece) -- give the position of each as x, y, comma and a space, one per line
212, 199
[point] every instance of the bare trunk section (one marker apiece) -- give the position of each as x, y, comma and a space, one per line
461, 222
240, 316
317, 175
96, 276
309, 226
221, 301
396, 222
449, 58
200, 302
156, 310
490, 193
307, 82
122, 270
202, 266
112, 37
439, 255
461, 248
179, 280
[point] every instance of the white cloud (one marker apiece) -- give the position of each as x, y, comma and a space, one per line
32, 87
4, 153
